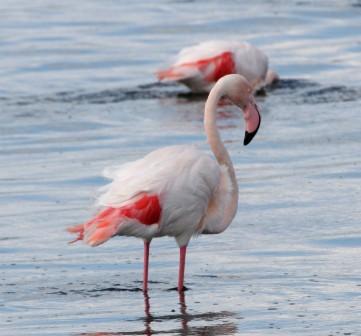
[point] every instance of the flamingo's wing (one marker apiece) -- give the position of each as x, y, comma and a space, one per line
209, 61
210, 69
157, 173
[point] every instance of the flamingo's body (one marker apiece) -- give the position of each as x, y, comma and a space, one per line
166, 193
174, 191
200, 66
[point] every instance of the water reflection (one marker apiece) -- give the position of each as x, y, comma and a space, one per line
173, 91
298, 91
215, 323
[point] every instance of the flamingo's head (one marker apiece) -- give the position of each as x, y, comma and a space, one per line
239, 91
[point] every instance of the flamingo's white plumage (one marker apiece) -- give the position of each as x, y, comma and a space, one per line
200, 66
176, 191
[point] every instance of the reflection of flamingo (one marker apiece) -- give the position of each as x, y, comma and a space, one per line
223, 322
200, 66
176, 191
148, 316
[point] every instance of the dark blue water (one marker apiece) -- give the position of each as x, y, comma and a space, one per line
78, 93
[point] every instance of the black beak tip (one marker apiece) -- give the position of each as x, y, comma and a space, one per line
249, 136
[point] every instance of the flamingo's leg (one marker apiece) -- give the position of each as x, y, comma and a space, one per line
146, 264
182, 262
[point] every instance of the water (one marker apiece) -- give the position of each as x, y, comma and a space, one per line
77, 93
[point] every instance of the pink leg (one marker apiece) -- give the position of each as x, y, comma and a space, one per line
182, 263
146, 263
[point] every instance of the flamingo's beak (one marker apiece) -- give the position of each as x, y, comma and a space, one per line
252, 118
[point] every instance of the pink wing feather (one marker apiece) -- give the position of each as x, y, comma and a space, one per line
211, 68
145, 209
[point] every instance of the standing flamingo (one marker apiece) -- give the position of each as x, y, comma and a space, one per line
200, 66
176, 191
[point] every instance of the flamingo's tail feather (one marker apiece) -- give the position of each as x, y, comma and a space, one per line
172, 74
98, 230
102, 234
145, 209
77, 229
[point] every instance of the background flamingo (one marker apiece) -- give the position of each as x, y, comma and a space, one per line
175, 191
200, 66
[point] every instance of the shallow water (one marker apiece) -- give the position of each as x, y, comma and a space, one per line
77, 93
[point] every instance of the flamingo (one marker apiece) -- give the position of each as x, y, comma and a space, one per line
176, 191
200, 66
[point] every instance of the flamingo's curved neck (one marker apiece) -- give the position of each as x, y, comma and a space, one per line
219, 149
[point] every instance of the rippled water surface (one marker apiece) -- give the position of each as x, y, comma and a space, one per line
77, 93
